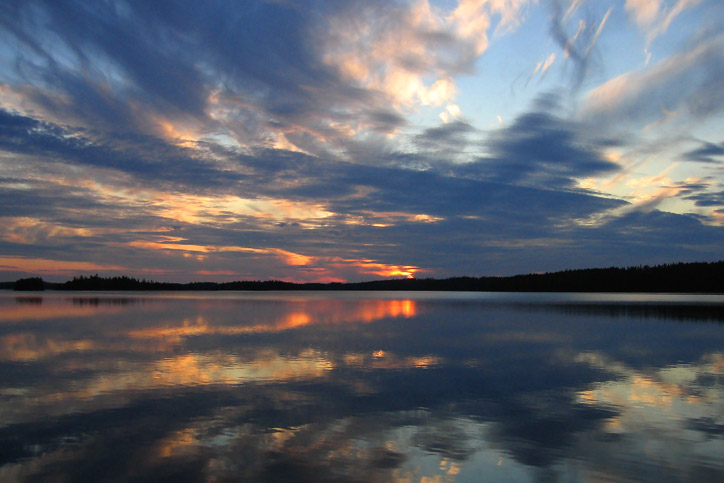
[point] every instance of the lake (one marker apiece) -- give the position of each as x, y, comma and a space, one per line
361, 386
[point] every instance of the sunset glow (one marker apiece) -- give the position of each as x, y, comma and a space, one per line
384, 140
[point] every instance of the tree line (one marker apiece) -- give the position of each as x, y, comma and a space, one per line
704, 277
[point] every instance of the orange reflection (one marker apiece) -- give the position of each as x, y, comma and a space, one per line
317, 312
27, 347
122, 380
20, 346
381, 359
177, 443
379, 309
337, 312
31, 347
46, 310
205, 369
116, 380
297, 319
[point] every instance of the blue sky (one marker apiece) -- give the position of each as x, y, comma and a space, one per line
340, 140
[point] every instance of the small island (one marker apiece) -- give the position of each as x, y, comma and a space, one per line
29, 284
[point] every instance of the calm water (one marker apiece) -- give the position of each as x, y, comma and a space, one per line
361, 387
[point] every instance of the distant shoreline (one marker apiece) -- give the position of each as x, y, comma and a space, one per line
696, 277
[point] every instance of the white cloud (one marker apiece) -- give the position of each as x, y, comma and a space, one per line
654, 17
685, 80
644, 12
412, 53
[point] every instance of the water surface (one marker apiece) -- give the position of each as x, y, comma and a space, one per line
360, 386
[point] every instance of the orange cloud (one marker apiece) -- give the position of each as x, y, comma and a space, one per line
46, 266
389, 218
175, 132
25, 230
190, 208
382, 269
290, 258
217, 272
319, 265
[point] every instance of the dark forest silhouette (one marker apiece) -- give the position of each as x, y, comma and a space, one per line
29, 284
699, 277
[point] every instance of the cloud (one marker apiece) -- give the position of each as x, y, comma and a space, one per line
447, 133
643, 11
302, 217
303, 135
91, 65
138, 155
682, 83
707, 199
707, 153
142, 67
541, 148
445, 142
270, 73
542, 67
654, 16
580, 46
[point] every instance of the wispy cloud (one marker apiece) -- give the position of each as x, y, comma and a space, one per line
655, 16
580, 45
682, 82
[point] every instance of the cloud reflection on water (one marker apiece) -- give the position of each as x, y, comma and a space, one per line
338, 387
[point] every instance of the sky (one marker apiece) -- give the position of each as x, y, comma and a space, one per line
358, 140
